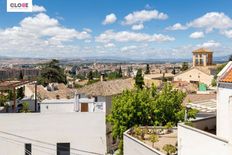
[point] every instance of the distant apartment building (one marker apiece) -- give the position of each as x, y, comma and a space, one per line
14, 73
202, 71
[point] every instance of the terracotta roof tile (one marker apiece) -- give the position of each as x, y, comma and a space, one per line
202, 50
227, 77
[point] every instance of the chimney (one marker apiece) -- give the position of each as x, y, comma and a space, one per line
76, 104
102, 77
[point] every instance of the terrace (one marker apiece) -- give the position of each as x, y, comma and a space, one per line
14, 85
157, 140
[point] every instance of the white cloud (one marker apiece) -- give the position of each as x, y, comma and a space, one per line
211, 21
227, 33
37, 8
210, 44
88, 41
87, 30
40, 34
197, 35
177, 26
42, 25
137, 27
109, 45
128, 48
125, 36
142, 16
110, 19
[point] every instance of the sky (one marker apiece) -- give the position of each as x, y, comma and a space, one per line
138, 29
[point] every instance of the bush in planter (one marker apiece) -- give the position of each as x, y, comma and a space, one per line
154, 138
138, 132
169, 149
169, 127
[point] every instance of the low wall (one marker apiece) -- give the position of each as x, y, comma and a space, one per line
133, 146
86, 133
206, 123
192, 141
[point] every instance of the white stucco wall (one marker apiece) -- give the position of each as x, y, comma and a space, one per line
224, 113
194, 75
84, 131
192, 141
132, 146
71, 105
51, 106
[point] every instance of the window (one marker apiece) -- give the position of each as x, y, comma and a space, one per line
63, 148
95, 99
27, 149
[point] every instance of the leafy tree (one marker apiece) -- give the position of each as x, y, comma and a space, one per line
214, 82
10, 95
113, 75
90, 76
139, 81
169, 149
154, 138
145, 107
52, 72
25, 108
147, 71
184, 66
3, 100
96, 74
20, 93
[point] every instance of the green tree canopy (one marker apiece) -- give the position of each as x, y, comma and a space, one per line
90, 76
184, 66
52, 72
146, 107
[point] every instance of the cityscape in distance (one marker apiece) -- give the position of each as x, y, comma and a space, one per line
108, 77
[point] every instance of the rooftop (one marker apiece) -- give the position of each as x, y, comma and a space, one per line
107, 88
195, 98
227, 77
202, 50
165, 137
6, 85
208, 106
62, 91
158, 76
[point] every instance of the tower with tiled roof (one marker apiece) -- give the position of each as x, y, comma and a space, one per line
202, 57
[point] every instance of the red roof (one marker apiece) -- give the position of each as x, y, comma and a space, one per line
227, 77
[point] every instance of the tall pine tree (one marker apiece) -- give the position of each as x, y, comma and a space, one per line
139, 81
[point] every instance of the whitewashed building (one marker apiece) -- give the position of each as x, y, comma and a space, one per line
204, 139
64, 126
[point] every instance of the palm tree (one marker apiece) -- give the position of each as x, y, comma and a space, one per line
25, 108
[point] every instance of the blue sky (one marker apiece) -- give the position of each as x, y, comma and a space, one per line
138, 29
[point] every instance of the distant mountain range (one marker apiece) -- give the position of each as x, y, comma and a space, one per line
16, 60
